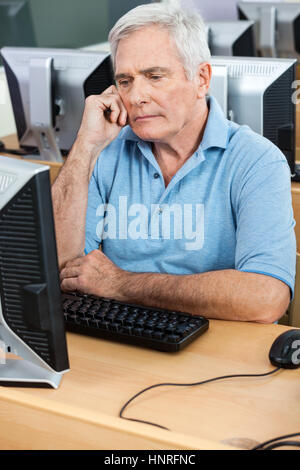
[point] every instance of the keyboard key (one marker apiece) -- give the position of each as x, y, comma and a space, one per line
173, 338
127, 329
138, 331
170, 329
161, 326
158, 335
148, 333
114, 327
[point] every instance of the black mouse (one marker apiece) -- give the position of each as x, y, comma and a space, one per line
285, 351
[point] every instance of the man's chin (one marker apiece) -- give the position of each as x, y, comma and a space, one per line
153, 135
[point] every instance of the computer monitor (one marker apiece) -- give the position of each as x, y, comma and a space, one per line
31, 318
48, 88
219, 86
231, 38
260, 95
277, 27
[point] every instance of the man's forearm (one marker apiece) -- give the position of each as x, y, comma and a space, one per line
69, 196
226, 294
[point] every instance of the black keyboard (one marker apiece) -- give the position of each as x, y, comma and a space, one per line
154, 328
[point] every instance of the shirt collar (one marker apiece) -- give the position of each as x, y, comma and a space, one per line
216, 131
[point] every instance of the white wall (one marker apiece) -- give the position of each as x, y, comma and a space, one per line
7, 121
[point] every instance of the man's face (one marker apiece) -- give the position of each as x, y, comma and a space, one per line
159, 99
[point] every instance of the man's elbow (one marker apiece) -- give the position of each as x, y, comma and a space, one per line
275, 306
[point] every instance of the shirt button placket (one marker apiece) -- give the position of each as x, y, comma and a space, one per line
159, 210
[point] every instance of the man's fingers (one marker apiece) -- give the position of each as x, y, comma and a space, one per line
123, 117
69, 284
75, 262
111, 90
69, 272
114, 110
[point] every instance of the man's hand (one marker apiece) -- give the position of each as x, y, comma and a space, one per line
93, 274
103, 118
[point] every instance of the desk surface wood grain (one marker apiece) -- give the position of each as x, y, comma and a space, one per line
11, 142
83, 412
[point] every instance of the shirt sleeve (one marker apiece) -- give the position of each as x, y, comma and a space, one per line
265, 234
94, 210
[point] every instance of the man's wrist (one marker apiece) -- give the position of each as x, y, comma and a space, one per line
84, 151
122, 285
84, 156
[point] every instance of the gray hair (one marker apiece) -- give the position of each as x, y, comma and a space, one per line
185, 27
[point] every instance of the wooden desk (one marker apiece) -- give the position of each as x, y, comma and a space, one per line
83, 412
11, 142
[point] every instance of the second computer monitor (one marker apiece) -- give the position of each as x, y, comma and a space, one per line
260, 96
277, 27
234, 38
48, 88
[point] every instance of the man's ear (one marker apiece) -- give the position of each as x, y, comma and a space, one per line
203, 79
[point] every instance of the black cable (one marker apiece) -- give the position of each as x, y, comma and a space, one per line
13, 152
184, 385
283, 444
263, 444
19, 152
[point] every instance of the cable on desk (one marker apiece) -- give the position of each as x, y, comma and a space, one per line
185, 385
19, 152
272, 444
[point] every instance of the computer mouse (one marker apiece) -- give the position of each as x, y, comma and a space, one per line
285, 351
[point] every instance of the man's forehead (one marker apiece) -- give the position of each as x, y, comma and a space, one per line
149, 46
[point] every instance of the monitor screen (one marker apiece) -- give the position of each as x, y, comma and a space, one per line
48, 88
31, 318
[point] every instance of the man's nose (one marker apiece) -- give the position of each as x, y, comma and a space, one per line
139, 93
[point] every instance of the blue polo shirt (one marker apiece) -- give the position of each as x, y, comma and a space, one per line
228, 207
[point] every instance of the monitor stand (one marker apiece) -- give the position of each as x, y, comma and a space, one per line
267, 31
42, 106
28, 370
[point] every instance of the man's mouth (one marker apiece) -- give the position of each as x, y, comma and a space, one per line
145, 117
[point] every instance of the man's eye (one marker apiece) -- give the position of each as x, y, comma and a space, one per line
124, 83
155, 77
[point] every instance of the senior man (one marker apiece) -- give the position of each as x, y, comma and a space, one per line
191, 211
